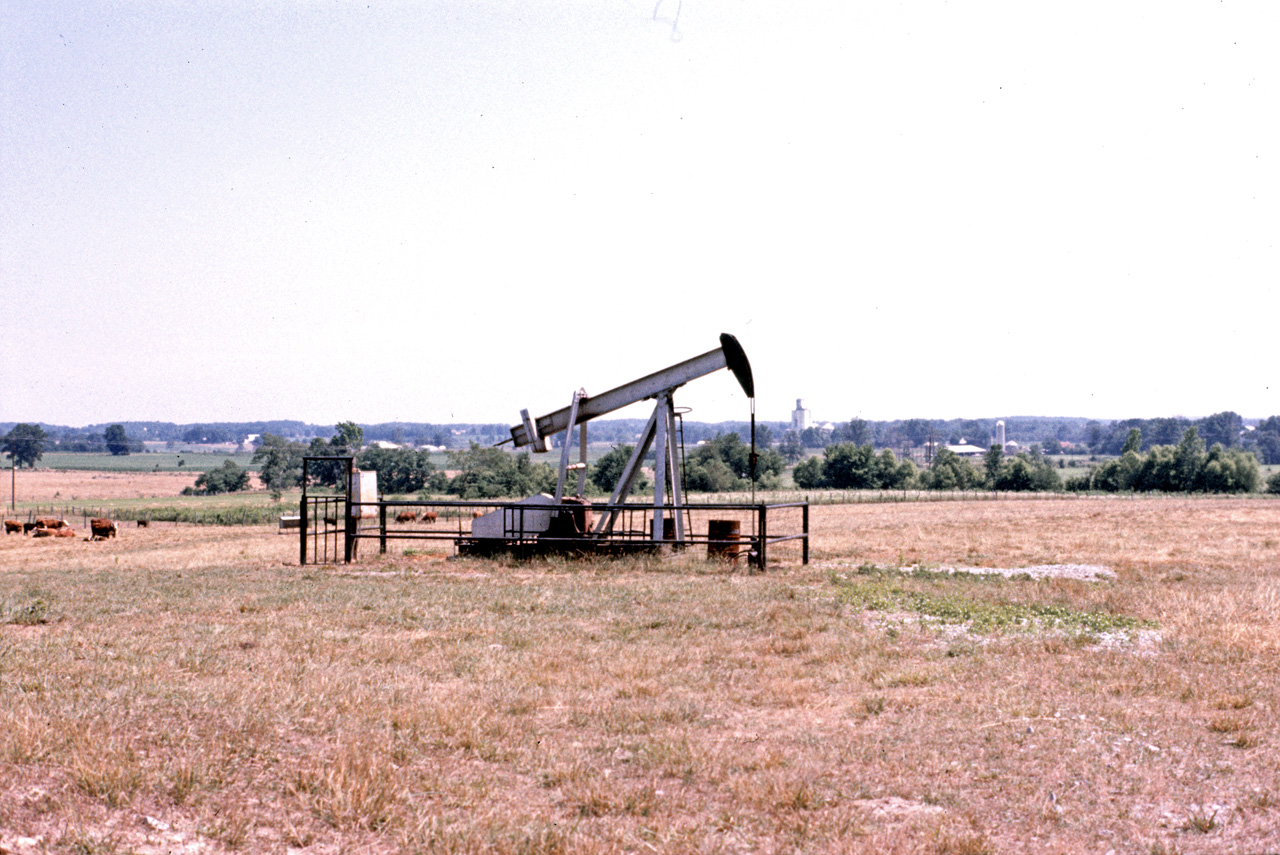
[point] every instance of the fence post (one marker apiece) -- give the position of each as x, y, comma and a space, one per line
382, 528
348, 532
302, 530
805, 549
764, 536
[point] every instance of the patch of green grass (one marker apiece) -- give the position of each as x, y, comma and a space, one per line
954, 598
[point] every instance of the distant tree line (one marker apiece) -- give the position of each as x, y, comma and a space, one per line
1182, 468
846, 466
1053, 434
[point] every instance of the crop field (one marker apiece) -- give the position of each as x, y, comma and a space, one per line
164, 461
192, 689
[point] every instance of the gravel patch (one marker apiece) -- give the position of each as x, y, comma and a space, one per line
1083, 572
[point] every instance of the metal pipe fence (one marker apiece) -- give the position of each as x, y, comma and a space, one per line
750, 532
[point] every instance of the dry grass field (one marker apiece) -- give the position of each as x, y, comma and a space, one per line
192, 690
47, 486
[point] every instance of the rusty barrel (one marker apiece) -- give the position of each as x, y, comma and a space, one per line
723, 539
668, 528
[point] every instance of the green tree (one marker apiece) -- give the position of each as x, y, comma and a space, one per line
1094, 435
1165, 431
326, 473
991, 465
850, 467
808, 474
24, 444
347, 441
856, 431
349, 437
1269, 448
228, 478
1133, 442
917, 431
400, 470
1224, 428
1119, 474
1027, 470
950, 471
1267, 436
607, 471
711, 475
490, 473
790, 447
1157, 472
206, 434
812, 437
904, 476
117, 441
1189, 460
1229, 470
281, 463
724, 463
1014, 474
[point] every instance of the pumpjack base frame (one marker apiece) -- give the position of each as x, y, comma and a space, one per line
762, 527
489, 547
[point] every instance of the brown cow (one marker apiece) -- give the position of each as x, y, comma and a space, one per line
428, 516
50, 522
27, 526
12, 527
102, 528
64, 531
406, 516
477, 514
142, 523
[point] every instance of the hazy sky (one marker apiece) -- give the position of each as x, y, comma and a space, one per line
446, 211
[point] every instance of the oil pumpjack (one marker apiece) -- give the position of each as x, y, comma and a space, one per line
567, 517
